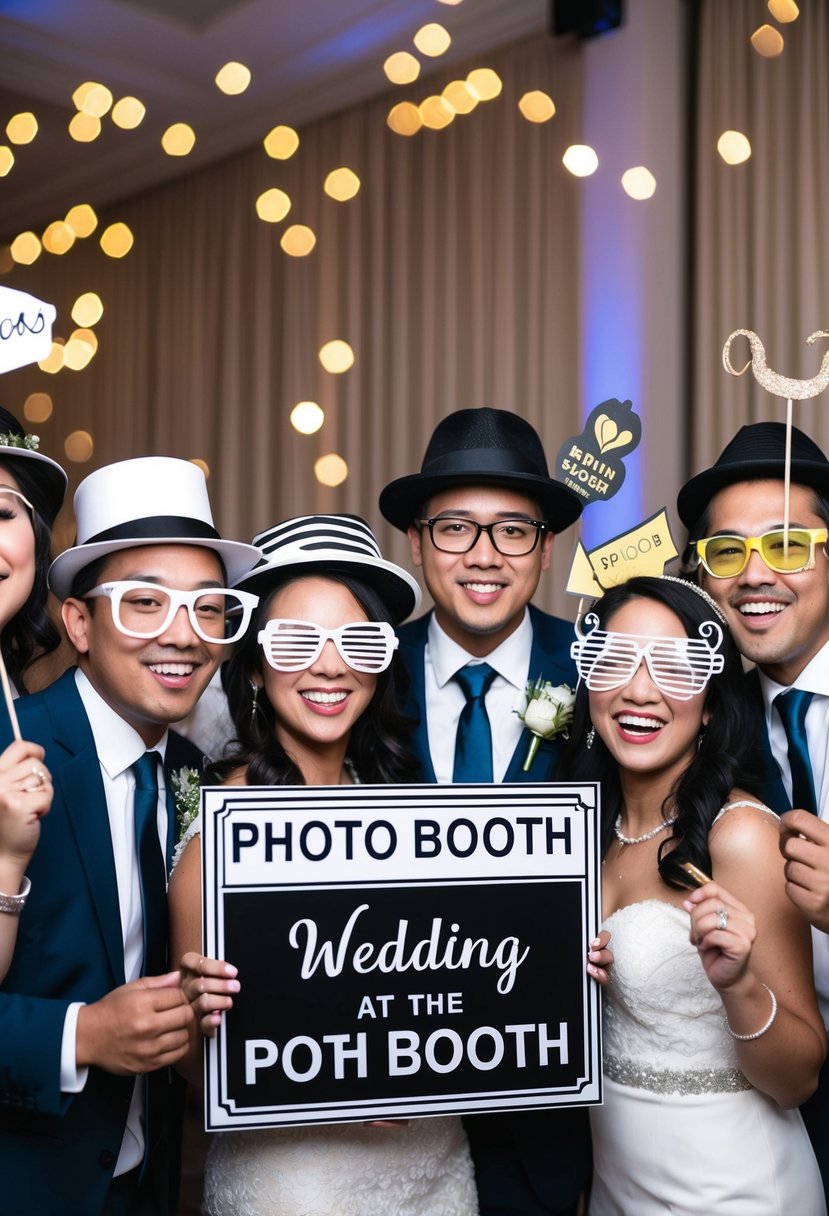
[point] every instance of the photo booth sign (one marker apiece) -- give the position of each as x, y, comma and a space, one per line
402, 951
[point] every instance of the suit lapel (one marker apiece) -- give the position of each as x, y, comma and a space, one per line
549, 660
413, 648
78, 782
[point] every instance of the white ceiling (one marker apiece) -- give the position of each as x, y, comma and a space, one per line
308, 58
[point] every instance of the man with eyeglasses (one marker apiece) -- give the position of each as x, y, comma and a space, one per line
91, 1017
481, 516
765, 563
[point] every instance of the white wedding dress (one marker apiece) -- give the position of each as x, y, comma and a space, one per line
681, 1131
419, 1168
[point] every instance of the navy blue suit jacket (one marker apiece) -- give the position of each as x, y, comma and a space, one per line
58, 1151
525, 1163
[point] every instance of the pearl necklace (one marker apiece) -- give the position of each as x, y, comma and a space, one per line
660, 827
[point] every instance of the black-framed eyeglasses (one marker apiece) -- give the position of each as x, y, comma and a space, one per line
510, 537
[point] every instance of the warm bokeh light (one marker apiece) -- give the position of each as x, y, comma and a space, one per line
298, 240
486, 83
92, 98
537, 106
341, 184
88, 336
273, 205
432, 40
128, 113
37, 407
58, 238
233, 78
336, 356
201, 464
82, 220
22, 128
733, 147
84, 128
76, 354
117, 240
461, 96
281, 143
452, 2
404, 119
436, 112
402, 67
25, 248
6, 160
54, 360
580, 160
178, 140
784, 10
6, 260
79, 447
307, 417
767, 41
638, 182
87, 309
330, 470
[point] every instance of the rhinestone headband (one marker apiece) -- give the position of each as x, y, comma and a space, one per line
672, 578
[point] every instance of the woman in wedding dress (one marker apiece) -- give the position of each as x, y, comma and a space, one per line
314, 709
711, 1034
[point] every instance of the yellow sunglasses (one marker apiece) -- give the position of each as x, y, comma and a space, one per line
785, 552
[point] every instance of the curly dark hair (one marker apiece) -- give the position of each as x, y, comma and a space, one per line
378, 747
31, 633
728, 754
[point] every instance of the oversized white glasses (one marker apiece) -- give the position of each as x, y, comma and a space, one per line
145, 610
679, 667
365, 646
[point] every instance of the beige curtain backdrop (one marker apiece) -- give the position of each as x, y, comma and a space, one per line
453, 274
762, 228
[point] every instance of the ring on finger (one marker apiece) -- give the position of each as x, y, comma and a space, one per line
722, 918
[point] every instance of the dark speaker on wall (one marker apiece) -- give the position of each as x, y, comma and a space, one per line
585, 18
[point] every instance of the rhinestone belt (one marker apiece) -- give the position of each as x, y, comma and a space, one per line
668, 1081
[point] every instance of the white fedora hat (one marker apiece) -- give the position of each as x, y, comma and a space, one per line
151, 500
330, 544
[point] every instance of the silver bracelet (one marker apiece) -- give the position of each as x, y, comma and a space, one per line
14, 903
746, 1038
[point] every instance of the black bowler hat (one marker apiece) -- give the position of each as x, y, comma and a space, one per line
481, 447
756, 453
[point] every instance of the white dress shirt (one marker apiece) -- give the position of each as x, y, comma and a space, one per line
813, 678
118, 747
445, 698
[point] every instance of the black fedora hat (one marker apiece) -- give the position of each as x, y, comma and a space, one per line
482, 447
756, 453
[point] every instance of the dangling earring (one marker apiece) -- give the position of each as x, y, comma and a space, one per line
254, 688
701, 735
591, 735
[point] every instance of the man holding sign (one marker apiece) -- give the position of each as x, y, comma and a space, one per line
481, 516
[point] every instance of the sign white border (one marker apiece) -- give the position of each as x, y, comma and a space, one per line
341, 860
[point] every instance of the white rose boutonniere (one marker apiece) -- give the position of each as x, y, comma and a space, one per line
187, 797
548, 712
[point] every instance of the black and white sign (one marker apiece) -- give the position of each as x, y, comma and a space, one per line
402, 950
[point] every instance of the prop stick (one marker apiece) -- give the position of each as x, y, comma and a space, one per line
779, 386
7, 693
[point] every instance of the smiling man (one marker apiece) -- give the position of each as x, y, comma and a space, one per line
481, 517
88, 1005
773, 587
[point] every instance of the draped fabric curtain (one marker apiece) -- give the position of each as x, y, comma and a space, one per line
453, 274
761, 257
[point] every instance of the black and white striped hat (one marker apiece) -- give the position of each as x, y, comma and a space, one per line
330, 544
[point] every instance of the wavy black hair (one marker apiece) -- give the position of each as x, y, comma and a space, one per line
378, 747
728, 754
31, 633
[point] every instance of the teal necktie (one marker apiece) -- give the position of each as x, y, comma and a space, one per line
152, 870
473, 742
792, 706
